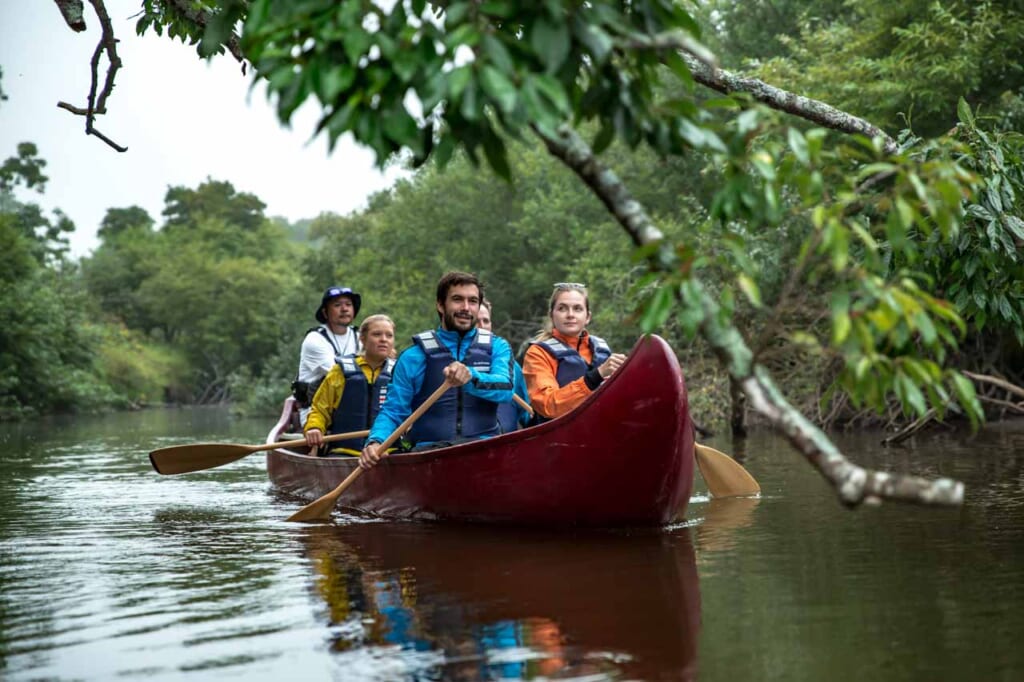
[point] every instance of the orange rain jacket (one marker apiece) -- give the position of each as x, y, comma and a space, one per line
541, 370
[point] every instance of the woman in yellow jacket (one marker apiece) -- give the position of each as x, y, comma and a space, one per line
564, 363
354, 389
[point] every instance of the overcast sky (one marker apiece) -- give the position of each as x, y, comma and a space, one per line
182, 119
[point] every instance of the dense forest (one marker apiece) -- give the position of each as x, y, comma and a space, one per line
208, 301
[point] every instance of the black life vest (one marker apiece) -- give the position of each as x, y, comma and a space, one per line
305, 390
456, 414
360, 402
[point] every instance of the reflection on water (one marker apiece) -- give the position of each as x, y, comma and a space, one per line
108, 570
470, 603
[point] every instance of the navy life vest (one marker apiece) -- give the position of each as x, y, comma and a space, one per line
360, 402
571, 365
456, 414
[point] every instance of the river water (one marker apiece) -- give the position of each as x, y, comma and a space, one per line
108, 570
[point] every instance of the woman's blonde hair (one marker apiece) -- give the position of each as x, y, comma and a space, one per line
546, 331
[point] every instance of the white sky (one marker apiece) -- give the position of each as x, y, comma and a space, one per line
182, 119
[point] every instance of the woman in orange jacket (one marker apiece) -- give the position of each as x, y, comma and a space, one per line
564, 363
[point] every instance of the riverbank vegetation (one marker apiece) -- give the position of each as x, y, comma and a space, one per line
865, 284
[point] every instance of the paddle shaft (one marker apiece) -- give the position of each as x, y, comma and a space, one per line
320, 509
327, 439
523, 404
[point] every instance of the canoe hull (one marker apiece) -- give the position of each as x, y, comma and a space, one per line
624, 457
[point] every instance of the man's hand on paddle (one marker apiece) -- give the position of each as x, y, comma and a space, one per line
314, 439
457, 374
370, 456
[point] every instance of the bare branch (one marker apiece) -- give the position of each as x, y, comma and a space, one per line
854, 484
910, 429
810, 109
995, 381
574, 153
97, 104
73, 12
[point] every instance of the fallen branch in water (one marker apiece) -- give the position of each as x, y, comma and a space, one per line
911, 428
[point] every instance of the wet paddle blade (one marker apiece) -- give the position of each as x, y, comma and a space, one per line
181, 459
320, 509
724, 476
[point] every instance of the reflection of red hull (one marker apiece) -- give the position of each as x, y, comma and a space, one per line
633, 596
624, 457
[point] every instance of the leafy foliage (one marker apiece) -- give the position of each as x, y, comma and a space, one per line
911, 59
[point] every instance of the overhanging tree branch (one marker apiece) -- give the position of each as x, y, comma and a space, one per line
810, 109
73, 12
853, 484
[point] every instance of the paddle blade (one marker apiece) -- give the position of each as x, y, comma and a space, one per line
724, 476
320, 509
181, 459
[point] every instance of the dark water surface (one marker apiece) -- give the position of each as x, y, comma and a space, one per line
109, 571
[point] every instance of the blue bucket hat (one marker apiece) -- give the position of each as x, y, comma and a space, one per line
334, 292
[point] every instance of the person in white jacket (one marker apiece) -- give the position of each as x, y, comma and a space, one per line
325, 344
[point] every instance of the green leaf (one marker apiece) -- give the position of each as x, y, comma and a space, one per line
1014, 225
657, 310
799, 146
499, 88
841, 326
497, 156
550, 42
399, 126
604, 137
553, 91
334, 81
498, 54
963, 112
911, 394
456, 13
594, 38
924, 325
963, 388
505, 10
458, 79
750, 289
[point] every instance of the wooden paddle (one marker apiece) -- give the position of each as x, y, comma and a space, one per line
181, 459
523, 404
320, 509
725, 476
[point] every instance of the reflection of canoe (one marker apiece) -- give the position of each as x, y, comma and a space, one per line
589, 602
624, 457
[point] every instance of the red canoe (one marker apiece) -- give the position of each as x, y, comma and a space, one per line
624, 457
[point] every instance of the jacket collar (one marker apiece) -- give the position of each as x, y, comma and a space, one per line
575, 342
454, 336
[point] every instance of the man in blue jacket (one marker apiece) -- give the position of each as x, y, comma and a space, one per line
475, 362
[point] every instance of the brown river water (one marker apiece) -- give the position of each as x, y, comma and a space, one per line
110, 571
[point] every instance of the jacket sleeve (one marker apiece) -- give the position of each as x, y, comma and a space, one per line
495, 385
406, 380
326, 400
546, 396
